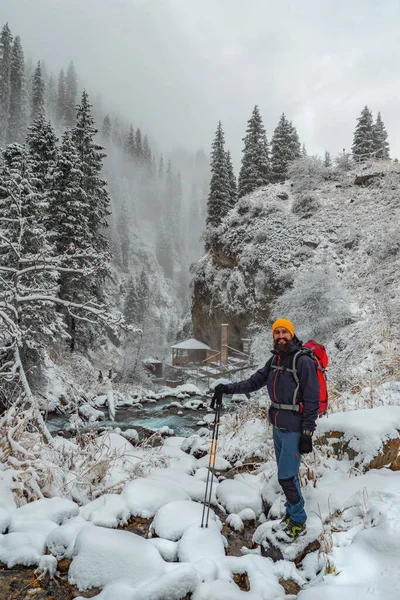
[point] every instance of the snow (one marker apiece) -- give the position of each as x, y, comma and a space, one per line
192, 344
201, 542
61, 540
365, 430
221, 464
167, 549
58, 510
110, 510
104, 555
144, 497
195, 488
171, 521
236, 496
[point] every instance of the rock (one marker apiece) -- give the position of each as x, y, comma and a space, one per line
282, 195
366, 180
290, 586
242, 581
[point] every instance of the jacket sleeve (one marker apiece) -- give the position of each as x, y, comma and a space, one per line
255, 381
309, 386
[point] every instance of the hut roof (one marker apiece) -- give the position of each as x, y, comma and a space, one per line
192, 344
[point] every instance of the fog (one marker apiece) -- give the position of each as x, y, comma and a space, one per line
175, 67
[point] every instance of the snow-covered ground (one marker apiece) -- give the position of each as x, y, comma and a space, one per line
354, 514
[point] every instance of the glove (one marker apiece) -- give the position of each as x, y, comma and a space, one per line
305, 442
219, 391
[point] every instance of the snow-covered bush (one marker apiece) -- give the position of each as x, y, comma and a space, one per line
305, 206
343, 162
307, 173
317, 303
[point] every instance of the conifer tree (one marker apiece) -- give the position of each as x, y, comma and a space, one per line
146, 152
285, 148
71, 90
91, 156
5, 83
381, 145
327, 160
106, 129
130, 147
161, 169
143, 290
232, 180
38, 93
131, 304
17, 114
304, 151
218, 202
138, 146
68, 220
51, 99
363, 139
255, 169
61, 97
42, 145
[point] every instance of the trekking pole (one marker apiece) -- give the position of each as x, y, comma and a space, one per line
211, 465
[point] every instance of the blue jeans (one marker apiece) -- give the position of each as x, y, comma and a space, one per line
288, 460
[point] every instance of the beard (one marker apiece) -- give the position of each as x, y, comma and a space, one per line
281, 347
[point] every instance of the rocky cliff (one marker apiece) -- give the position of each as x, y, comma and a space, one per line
322, 249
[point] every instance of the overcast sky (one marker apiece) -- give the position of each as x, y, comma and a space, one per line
175, 67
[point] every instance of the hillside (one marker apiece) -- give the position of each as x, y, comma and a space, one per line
322, 249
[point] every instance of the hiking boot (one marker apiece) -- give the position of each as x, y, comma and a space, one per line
291, 531
285, 521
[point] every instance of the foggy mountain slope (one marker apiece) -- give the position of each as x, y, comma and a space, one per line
325, 255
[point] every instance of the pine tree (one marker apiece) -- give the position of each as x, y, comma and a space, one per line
161, 169
91, 156
143, 290
71, 90
5, 83
51, 99
130, 147
285, 148
381, 145
106, 129
138, 146
218, 202
68, 220
131, 304
146, 152
17, 119
255, 169
61, 97
38, 93
363, 139
27, 241
232, 180
42, 146
304, 151
164, 250
327, 160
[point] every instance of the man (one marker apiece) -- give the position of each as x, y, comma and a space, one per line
294, 394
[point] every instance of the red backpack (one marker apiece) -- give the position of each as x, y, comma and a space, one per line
320, 357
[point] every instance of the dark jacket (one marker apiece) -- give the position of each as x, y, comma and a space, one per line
281, 386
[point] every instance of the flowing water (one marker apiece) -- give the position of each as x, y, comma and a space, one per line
150, 416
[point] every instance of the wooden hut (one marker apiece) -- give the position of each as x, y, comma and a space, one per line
189, 352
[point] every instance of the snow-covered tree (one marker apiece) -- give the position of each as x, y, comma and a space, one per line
5, 84
129, 146
285, 148
381, 145
327, 160
233, 195
343, 161
71, 90
304, 151
61, 97
363, 140
17, 115
131, 304
38, 93
91, 156
255, 170
306, 172
51, 99
42, 146
138, 146
218, 203
106, 130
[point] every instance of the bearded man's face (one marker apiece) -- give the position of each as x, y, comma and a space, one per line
282, 340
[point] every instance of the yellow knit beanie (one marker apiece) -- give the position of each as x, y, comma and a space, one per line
284, 323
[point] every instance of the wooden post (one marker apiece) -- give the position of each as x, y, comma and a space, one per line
246, 345
224, 343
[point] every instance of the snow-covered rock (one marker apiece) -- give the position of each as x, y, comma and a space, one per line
236, 496
174, 518
144, 497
